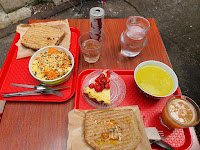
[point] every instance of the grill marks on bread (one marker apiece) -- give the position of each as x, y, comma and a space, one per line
39, 36
112, 129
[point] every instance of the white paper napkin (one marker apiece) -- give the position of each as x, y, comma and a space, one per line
152, 133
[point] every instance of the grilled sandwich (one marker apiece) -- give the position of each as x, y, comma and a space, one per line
39, 36
112, 129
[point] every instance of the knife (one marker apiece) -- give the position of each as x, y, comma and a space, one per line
154, 137
162, 144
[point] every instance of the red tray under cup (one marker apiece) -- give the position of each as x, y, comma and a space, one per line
16, 71
150, 108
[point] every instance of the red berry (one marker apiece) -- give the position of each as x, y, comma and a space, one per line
104, 80
101, 76
97, 79
97, 88
91, 85
108, 80
108, 75
101, 83
109, 72
102, 87
107, 86
97, 83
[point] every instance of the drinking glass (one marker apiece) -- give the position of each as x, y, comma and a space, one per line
180, 112
91, 48
134, 39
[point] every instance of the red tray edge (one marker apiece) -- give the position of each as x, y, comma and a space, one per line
77, 59
188, 142
7, 63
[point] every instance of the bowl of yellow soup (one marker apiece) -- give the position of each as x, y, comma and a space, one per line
155, 78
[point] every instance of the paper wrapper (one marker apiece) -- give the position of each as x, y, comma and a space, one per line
22, 28
76, 140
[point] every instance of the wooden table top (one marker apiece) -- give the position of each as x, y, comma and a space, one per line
35, 125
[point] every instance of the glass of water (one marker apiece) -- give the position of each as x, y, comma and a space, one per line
90, 48
134, 39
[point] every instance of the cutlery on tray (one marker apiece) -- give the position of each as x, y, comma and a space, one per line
162, 144
39, 89
156, 137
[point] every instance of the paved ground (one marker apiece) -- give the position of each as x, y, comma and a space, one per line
178, 22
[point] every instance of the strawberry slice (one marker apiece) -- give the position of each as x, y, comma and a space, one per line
97, 88
102, 87
101, 83
97, 79
107, 86
97, 83
104, 80
91, 85
101, 76
108, 79
108, 75
108, 72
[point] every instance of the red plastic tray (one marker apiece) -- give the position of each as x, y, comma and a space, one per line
16, 71
150, 109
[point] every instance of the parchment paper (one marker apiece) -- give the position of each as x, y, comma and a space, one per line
76, 139
22, 28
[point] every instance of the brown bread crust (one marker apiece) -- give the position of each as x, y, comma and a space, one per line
39, 36
94, 100
112, 129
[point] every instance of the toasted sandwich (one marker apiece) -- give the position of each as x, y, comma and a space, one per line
39, 36
112, 129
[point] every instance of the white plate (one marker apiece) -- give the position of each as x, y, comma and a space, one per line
117, 89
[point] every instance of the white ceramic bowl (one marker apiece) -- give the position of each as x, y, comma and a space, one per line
163, 66
54, 81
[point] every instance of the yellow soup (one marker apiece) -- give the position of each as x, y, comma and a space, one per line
154, 80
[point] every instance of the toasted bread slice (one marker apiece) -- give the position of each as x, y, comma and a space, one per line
39, 36
112, 129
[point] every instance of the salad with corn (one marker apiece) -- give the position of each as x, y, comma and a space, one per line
51, 64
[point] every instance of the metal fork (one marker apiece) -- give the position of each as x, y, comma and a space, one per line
156, 137
39, 89
34, 92
154, 134
161, 133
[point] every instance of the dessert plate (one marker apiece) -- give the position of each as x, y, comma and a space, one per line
117, 89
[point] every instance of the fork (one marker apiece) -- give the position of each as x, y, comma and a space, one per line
39, 89
161, 133
152, 133
157, 137
34, 92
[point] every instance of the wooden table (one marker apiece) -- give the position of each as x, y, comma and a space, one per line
34, 125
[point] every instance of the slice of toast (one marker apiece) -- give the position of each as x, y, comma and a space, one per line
39, 36
112, 129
